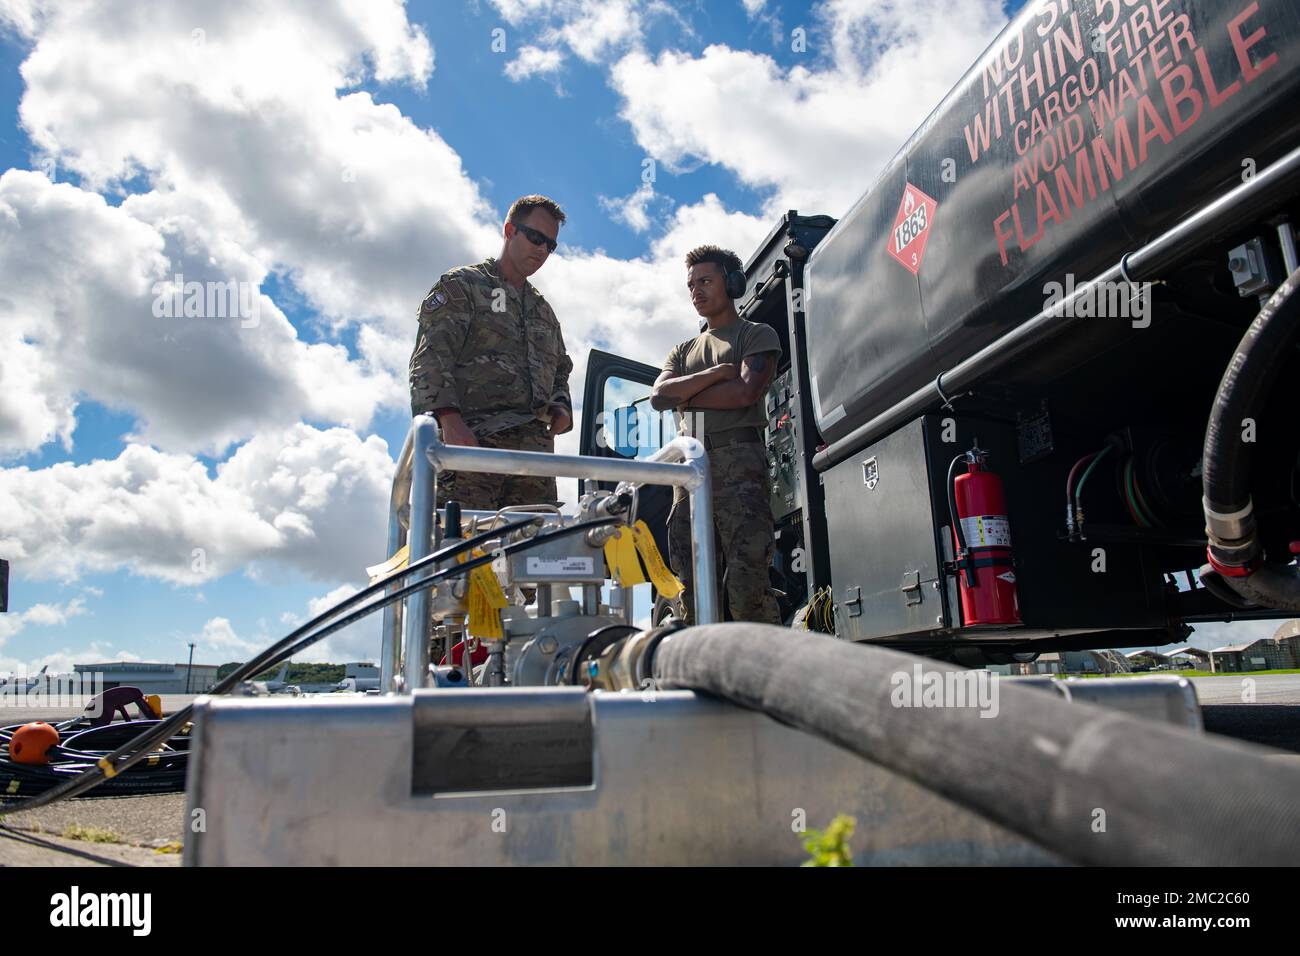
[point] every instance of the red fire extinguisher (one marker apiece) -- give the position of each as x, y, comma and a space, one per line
986, 575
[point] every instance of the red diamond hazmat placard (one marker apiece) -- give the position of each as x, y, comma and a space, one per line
912, 228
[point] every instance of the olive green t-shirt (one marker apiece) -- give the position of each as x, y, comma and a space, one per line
713, 347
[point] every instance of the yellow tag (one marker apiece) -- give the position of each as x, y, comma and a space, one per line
620, 555
483, 621
664, 581
485, 597
398, 560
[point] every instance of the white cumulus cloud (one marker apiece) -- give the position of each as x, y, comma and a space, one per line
247, 157
814, 134
308, 499
534, 61
40, 615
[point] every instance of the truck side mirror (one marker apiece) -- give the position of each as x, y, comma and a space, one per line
622, 437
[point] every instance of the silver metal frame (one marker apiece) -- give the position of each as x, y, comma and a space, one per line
681, 463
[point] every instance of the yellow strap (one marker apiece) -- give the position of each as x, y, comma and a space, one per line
109, 771
398, 560
485, 598
664, 581
620, 555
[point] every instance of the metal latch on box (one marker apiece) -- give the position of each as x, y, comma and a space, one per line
911, 587
853, 601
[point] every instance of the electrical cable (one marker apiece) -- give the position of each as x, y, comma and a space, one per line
1130, 492
1074, 471
1096, 460
131, 753
820, 615
1078, 491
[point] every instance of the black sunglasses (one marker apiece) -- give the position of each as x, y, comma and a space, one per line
537, 238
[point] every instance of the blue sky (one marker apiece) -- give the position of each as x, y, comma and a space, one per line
339, 157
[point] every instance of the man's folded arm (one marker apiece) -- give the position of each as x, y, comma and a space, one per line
675, 391
755, 374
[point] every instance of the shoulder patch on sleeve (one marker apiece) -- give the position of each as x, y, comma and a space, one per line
454, 290
447, 290
435, 300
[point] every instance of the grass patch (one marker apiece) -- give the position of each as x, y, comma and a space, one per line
91, 834
830, 847
173, 847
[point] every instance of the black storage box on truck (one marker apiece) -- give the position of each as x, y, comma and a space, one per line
1059, 265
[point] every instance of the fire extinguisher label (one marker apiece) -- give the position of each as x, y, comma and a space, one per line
986, 531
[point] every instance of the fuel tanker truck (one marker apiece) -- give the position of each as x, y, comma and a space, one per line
1038, 383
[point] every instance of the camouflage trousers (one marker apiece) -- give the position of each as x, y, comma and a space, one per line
479, 491
742, 521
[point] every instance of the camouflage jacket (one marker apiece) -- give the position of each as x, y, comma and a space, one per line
488, 349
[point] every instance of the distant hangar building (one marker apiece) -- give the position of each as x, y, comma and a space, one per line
1281, 651
153, 678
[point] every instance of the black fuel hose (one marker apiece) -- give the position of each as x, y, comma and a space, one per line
1215, 584
131, 753
1042, 766
1234, 549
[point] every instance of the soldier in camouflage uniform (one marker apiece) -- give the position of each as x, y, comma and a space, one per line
489, 361
716, 381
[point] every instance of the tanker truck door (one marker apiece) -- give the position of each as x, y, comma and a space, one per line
618, 422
